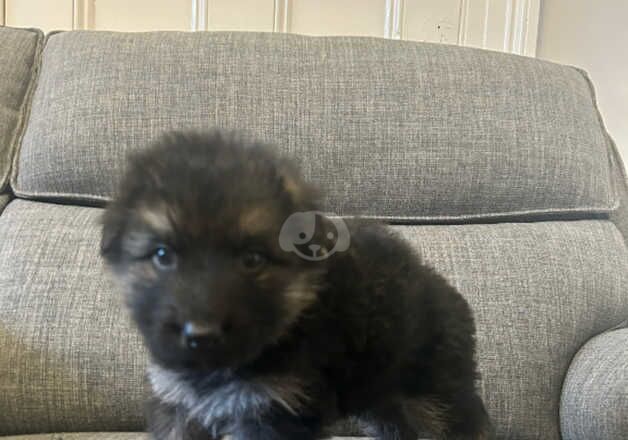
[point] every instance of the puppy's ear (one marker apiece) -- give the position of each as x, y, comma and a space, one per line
113, 226
291, 183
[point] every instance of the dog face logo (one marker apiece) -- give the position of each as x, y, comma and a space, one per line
313, 236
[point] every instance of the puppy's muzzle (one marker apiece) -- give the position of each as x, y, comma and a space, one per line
198, 336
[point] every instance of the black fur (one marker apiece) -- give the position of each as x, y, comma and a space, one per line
368, 332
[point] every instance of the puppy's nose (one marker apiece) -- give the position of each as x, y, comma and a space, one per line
198, 336
315, 248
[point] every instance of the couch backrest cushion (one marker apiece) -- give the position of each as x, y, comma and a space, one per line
400, 130
19, 50
71, 361
620, 181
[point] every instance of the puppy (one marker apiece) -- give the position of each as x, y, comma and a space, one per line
267, 320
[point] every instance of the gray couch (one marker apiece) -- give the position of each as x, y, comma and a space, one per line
497, 168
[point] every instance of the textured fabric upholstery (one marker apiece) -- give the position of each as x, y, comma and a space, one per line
4, 199
620, 180
18, 52
82, 436
106, 436
71, 361
595, 395
620, 216
539, 292
618, 172
401, 130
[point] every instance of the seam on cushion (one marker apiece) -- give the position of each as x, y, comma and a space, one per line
614, 158
52, 33
577, 212
622, 325
590, 213
20, 128
5, 178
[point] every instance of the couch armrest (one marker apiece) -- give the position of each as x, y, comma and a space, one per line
594, 402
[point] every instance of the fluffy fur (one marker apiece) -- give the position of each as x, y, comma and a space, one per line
367, 332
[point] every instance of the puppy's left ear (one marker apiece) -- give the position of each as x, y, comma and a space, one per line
113, 225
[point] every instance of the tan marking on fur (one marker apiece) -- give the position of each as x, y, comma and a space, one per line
255, 220
137, 274
293, 187
264, 276
154, 225
299, 295
427, 413
136, 242
156, 217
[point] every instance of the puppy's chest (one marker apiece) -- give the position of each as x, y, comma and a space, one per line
220, 403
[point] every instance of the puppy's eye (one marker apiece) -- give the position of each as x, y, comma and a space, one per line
253, 260
164, 258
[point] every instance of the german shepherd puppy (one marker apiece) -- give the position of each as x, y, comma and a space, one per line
265, 319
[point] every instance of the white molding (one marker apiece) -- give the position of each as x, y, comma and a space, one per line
388, 19
394, 19
519, 22
280, 16
82, 14
510, 23
524, 27
462, 22
200, 18
485, 22
3, 12
533, 15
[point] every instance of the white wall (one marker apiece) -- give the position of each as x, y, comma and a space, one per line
592, 35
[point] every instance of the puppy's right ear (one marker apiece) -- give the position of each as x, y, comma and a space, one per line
292, 183
113, 225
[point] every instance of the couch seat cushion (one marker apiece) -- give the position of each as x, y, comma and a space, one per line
107, 436
82, 436
72, 362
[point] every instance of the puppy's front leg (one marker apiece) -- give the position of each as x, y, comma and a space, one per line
167, 422
278, 427
387, 422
